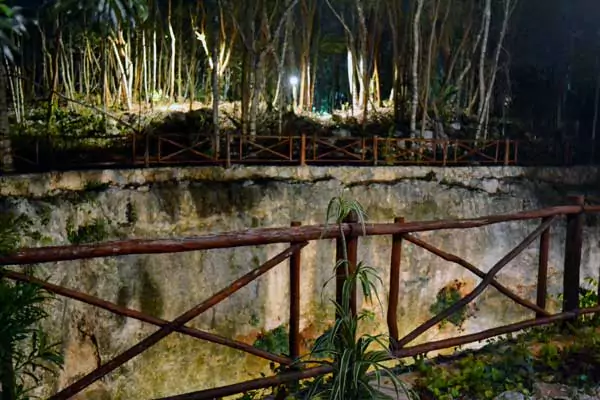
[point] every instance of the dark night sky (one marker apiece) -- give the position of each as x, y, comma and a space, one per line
542, 30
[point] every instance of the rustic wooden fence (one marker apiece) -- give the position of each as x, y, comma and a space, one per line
63, 153
297, 237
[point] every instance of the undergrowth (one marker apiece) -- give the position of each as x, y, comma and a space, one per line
543, 354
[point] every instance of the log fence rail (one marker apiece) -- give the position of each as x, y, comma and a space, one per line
296, 237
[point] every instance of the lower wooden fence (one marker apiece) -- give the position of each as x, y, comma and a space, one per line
297, 237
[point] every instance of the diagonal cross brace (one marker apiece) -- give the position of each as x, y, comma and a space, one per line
178, 322
135, 314
489, 277
464, 263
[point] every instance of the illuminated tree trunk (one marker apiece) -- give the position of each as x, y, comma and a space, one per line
415, 67
487, 16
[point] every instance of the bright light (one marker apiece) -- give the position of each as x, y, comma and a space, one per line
294, 80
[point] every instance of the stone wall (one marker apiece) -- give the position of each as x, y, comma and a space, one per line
193, 201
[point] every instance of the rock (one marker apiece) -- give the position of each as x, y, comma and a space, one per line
511, 396
555, 391
544, 390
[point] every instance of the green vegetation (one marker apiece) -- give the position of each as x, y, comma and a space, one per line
131, 214
12, 229
356, 364
25, 350
275, 341
544, 354
445, 298
95, 231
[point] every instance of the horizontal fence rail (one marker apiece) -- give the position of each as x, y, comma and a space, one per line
33, 153
346, 237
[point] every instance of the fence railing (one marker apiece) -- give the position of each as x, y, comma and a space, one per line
297, 237
64, 153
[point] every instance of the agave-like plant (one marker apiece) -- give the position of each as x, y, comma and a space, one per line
355, 364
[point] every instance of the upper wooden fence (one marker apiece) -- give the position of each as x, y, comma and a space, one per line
63, 153
297, 237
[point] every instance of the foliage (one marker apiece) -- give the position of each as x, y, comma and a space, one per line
12, 228
12, 24
131, 214
274, 341
79, 123
445, 298
111, 13
481, 376
588, 296
541, 354
22, 341
95, 231
24, 346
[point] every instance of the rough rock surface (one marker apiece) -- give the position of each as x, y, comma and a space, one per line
194, 201
550, 391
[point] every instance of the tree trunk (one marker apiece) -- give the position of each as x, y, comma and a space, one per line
487, 16
415, 67
173, 54
492, 80
215, 81
427, 80
5, 145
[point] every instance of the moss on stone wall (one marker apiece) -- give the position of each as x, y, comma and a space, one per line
151, 300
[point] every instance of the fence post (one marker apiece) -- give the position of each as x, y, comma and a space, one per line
294, 339
133, 150
392, 311
147, 152
573, 243
506, 152
351, 250
228, 150
445, 153
542, 283
375, 149
303, 150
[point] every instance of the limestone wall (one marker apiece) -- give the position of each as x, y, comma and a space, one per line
182, 202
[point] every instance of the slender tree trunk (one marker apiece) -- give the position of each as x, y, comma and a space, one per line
487, 16
215, 79
492, 80
55, 72
5, 145
279, 96
173, 55
427, 80
415, 67
364, 60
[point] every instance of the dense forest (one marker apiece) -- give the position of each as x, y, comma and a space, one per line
472, 68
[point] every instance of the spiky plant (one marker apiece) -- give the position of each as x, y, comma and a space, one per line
26, 354
355, 365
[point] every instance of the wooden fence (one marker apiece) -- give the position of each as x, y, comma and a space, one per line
64, 153
297, 237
